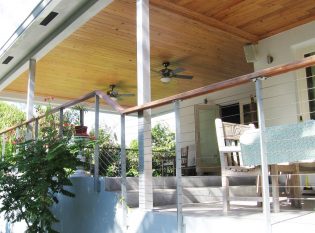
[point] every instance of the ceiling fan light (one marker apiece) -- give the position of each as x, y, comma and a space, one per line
165, 79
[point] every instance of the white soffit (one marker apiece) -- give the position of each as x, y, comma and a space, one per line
35, 40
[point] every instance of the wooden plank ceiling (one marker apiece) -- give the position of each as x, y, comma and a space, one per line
189, 34
251, 19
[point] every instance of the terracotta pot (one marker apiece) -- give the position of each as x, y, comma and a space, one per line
80, 130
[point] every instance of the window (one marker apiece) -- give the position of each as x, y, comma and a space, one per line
250, 113
230, 113
310, 79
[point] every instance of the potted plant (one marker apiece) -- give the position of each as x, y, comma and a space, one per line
80, 128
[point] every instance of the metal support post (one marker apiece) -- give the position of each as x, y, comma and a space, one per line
36, 129
123, 170
179, 188
97, 149
81, 117
264, 163
3, 147
61, 122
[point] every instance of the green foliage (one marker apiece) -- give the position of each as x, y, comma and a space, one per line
10, 115
132, 162
31, 178
163, 139
109, 158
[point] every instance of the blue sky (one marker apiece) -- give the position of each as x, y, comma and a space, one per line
12, 14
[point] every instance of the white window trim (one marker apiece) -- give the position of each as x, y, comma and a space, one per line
302, 93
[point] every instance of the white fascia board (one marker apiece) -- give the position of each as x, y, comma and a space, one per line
71, 24
43, 6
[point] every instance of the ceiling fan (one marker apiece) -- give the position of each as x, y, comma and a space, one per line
168, 74
113, 94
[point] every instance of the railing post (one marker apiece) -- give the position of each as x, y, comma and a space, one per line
96, 149
123, 171
61, 122
81, 112
264, 163
3, 147
28, 134
36, 129
179, 188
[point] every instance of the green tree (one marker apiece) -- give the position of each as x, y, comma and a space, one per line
163, 140
10, 115
109, 159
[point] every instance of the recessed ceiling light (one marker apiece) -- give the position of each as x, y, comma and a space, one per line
48, 18
7, 60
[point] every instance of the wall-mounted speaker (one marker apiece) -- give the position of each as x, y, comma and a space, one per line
250, 53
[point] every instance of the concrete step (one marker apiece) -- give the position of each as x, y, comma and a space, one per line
114, 184
162, 197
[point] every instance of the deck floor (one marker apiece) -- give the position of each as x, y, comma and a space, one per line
245, 217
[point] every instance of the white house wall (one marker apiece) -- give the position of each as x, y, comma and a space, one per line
280, 93
281, 104
291, 101
228, 96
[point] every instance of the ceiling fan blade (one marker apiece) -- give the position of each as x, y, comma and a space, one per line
183, 76
126, 94
156, 71
178, 70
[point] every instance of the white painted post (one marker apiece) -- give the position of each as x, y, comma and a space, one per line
145, 161
179, 188
144, 96
264, 163
30, 96
123, 171
30, 89
96, 149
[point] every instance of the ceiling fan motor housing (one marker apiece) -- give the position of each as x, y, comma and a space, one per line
166, 72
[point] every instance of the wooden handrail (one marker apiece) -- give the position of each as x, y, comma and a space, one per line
109, 101
269, 72
90, 95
